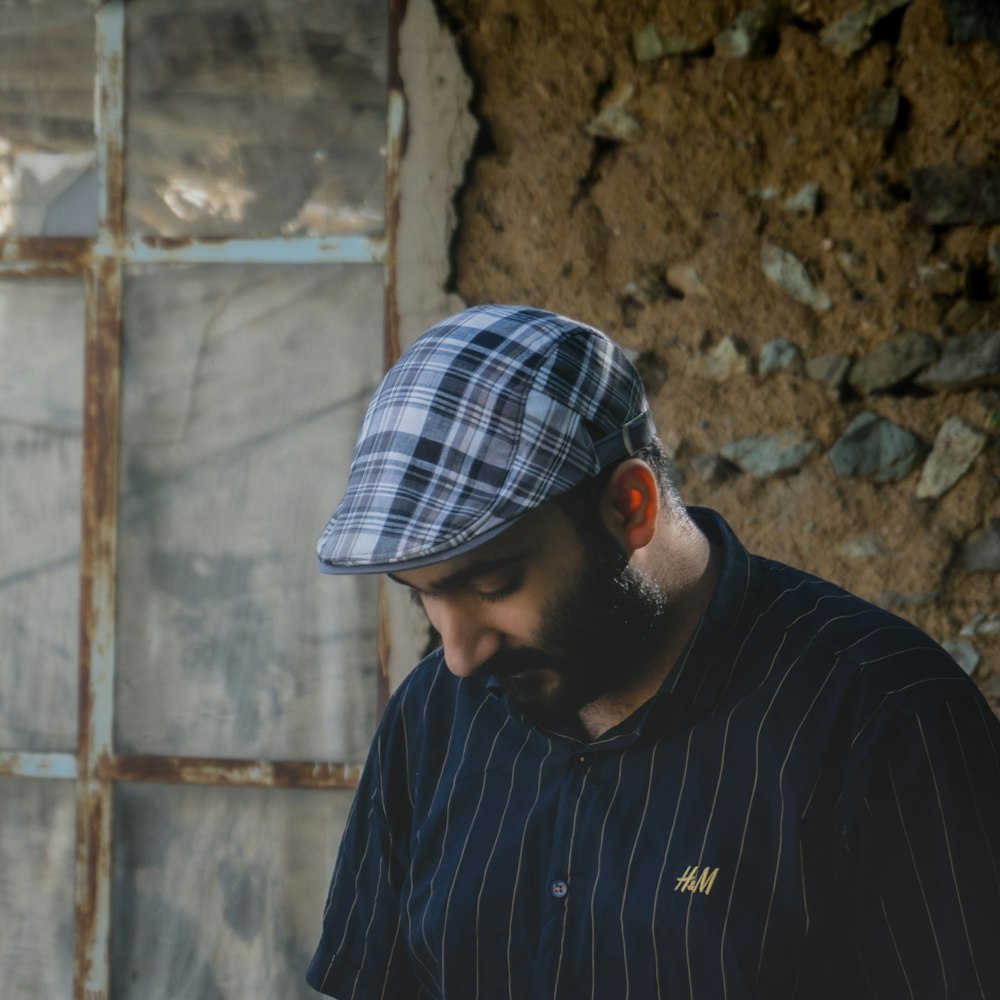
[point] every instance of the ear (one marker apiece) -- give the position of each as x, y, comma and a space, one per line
630, 504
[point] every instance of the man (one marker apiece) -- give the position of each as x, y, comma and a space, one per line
643, 763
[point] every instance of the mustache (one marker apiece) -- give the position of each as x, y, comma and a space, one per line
508, 662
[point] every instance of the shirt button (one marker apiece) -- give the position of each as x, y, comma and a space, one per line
581, 759
558, 889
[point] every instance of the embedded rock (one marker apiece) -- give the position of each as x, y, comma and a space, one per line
893, 362
765, 455
830, 369
881, 109
956, 195
955, 449
613, 122
967, 361
649, 44
686, 279
806, 200
779, 355
982, 624
729, 357
874, 447
980, 552
964, 315
942, 277
853, 31
865, 547
751, 33
973, 20
789, 274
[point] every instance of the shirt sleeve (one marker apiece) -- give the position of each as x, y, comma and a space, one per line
926, 858
362, 953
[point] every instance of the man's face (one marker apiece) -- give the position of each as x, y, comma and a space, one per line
557, 622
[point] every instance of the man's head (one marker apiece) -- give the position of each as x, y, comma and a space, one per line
487, 416
507, 471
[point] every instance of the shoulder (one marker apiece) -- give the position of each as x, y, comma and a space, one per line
813, 614
775, 635
873, 662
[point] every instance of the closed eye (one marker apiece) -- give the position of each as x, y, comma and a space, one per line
476, 580
500, 593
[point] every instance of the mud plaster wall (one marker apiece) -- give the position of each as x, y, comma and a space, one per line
643, 192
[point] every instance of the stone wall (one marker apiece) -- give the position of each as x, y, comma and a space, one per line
791, 215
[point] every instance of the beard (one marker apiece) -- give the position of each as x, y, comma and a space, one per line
599, 635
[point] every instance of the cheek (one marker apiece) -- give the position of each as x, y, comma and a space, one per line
517, 619
537, 623
527, 630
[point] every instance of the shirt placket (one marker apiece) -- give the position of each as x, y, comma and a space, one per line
564, 967
565, 891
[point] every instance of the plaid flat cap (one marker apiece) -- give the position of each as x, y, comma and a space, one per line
486, 416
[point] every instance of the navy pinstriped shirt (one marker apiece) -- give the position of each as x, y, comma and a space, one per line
809, 808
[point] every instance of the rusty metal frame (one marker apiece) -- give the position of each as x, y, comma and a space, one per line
100, 263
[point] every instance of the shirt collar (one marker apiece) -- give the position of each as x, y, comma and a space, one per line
702, 671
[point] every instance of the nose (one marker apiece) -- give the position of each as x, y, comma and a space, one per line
468, 640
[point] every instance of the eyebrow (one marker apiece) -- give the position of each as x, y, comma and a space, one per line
462, 576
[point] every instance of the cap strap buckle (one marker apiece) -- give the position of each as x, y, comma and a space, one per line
635, 434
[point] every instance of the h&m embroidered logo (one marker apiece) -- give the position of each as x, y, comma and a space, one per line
697, 880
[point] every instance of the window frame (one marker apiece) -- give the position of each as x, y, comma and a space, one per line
95, 767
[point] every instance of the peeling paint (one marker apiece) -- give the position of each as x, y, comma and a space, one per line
102, 369
97, 605
228, 771
43, 257
110, 120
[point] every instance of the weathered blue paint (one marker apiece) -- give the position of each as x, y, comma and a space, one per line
37, 765
298, 250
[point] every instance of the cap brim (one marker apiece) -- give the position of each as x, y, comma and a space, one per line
418, 561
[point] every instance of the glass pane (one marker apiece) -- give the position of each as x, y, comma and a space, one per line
218, 893
243, 391
48, 181
37, 848
259, 119
41, 417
